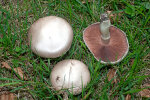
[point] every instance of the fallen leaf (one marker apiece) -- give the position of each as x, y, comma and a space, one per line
1, 36
128, 97
115, 98
131, 62
18, 70
145, 93
84, 1
113, 16
111, 74
146, 85
110, 14
5, 65
7, 96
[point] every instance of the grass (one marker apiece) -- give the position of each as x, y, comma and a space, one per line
16, 17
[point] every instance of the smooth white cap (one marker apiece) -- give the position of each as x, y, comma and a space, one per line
50, 36
70, 74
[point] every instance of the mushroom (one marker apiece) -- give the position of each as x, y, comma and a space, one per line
50, 36
107, 43
70, 74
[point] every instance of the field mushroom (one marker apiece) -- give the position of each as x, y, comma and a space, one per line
70, 74
50, 36
107, 43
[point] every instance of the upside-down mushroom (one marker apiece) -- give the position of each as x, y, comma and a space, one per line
107, 43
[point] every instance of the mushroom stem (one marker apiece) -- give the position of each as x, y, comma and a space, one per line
104, 28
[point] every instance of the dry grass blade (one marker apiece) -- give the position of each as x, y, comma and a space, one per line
128, 97
18, 70
111, 74
7, 96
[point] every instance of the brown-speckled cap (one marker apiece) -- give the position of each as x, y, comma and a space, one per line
114, 51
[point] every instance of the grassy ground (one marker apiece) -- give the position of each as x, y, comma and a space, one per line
16, 18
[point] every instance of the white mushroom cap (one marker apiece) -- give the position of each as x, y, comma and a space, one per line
50, 36
70, 74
